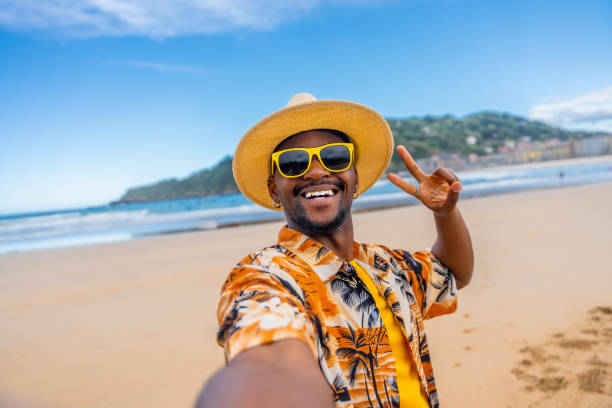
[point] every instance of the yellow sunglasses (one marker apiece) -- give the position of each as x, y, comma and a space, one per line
334, 157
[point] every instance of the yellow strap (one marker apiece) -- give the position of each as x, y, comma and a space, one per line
408, 382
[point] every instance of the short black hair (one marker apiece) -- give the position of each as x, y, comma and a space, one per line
334, 132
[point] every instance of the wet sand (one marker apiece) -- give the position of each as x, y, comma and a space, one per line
132, 324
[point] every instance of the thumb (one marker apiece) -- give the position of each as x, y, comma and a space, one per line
453, 196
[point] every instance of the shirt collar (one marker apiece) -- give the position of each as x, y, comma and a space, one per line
323, 261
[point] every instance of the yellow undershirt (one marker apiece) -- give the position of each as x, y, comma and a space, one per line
408, 382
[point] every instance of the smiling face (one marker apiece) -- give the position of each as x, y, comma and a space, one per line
319, 202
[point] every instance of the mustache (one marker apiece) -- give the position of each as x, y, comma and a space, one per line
297, 190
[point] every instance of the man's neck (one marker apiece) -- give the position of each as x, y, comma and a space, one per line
339, 242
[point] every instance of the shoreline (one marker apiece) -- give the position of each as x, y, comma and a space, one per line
402, 200
541, 163
546, 163
98, 226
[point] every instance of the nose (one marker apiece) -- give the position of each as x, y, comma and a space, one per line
316, 170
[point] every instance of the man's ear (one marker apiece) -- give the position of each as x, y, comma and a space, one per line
356, 180
272, 188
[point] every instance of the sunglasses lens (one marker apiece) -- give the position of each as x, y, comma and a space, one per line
336, 158
293, 162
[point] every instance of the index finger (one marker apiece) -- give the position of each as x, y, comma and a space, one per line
411, 165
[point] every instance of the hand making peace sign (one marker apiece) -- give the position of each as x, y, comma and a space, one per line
438, 191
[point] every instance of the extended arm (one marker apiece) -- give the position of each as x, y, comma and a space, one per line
439, 192
454, 246
280, 374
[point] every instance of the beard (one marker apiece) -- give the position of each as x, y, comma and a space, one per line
297, 213
313, 229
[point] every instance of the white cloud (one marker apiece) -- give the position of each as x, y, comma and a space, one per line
156, 66
152, 18
592, 111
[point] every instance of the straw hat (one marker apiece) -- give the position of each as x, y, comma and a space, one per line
368, 131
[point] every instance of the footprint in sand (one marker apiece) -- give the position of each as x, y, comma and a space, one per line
577, 362
592, 380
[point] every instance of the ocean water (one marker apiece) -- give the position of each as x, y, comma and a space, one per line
105, 223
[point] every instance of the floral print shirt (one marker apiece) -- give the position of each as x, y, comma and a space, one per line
300, 289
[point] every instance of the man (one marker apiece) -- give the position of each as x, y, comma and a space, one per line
319, 320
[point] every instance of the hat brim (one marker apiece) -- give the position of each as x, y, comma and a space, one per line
368, 131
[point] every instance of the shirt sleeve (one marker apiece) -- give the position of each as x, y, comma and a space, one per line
432, 282
258, 307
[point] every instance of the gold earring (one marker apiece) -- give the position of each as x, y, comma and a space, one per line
276, 204
355, 195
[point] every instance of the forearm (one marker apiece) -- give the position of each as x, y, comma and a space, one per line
453, 247
255, 380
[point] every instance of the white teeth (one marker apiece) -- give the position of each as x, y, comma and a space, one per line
317, 194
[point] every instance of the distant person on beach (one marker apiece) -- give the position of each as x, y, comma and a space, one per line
319, 320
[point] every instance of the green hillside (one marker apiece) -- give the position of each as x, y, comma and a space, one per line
422, 136
215, 180
426, 136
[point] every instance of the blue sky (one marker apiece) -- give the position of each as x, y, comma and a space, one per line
97, 96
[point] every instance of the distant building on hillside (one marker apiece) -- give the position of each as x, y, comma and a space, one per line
527, 154
558, 152
490, 160
454, 161
523, 152
593, 146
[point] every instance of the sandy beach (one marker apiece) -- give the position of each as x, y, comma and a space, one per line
133, 324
